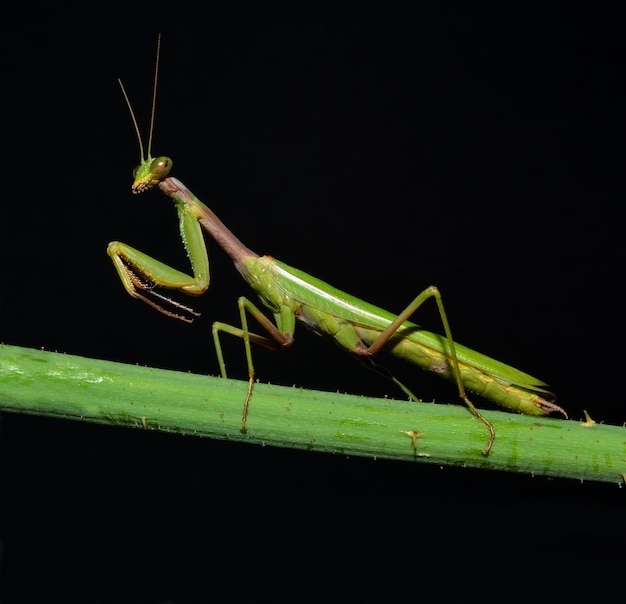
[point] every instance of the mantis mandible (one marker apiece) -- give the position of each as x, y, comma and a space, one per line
291, 295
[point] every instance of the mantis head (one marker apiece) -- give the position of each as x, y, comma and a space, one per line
150, 172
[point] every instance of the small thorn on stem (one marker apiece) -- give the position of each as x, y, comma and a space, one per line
413, 435
588, 421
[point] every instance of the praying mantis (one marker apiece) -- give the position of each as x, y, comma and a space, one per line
291, 296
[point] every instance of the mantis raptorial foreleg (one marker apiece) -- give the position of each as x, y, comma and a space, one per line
141, 275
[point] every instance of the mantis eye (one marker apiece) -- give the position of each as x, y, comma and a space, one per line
135, 170
160, 167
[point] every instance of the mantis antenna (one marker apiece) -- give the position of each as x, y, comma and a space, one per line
152, 112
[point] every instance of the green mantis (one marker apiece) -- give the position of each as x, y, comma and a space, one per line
291, 295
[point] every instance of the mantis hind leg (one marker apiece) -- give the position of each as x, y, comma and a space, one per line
389, 332
368, 363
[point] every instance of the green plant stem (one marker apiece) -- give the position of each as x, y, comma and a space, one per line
78, 388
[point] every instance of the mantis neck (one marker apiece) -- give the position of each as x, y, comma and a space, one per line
237, 251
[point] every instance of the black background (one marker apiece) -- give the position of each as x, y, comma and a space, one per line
382, 147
